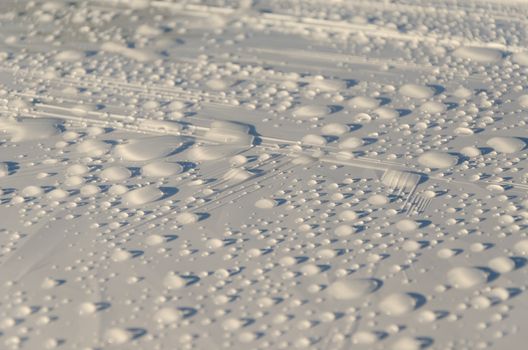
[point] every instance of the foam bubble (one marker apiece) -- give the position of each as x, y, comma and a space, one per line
69, 56
154, 239
148, 148
214, 243
407, 343
446, 253
312, 111
303, 159
462, 92
363, 102
478, 54
397, 304
161, 169
462, 131
506, 144
265, 203
166, 315
314, 140
232, 324
352, 288
117, 336
344, 230
521, 247
406, 225
229, 133
437, 160
386, 113
89, 190
57, 194
466, 277
115, 173
187, 218
173, 281
120, 255
411, 246
365, 337
237, 175
142, 196
416, 91
238, 160
30, 129
433, 107
378, 200
93, 148
87, 308
350, 142
77, 169
520, 58
334, 129
217, 84
523, 101
32, 191
74, 181
502, 264
348, 215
